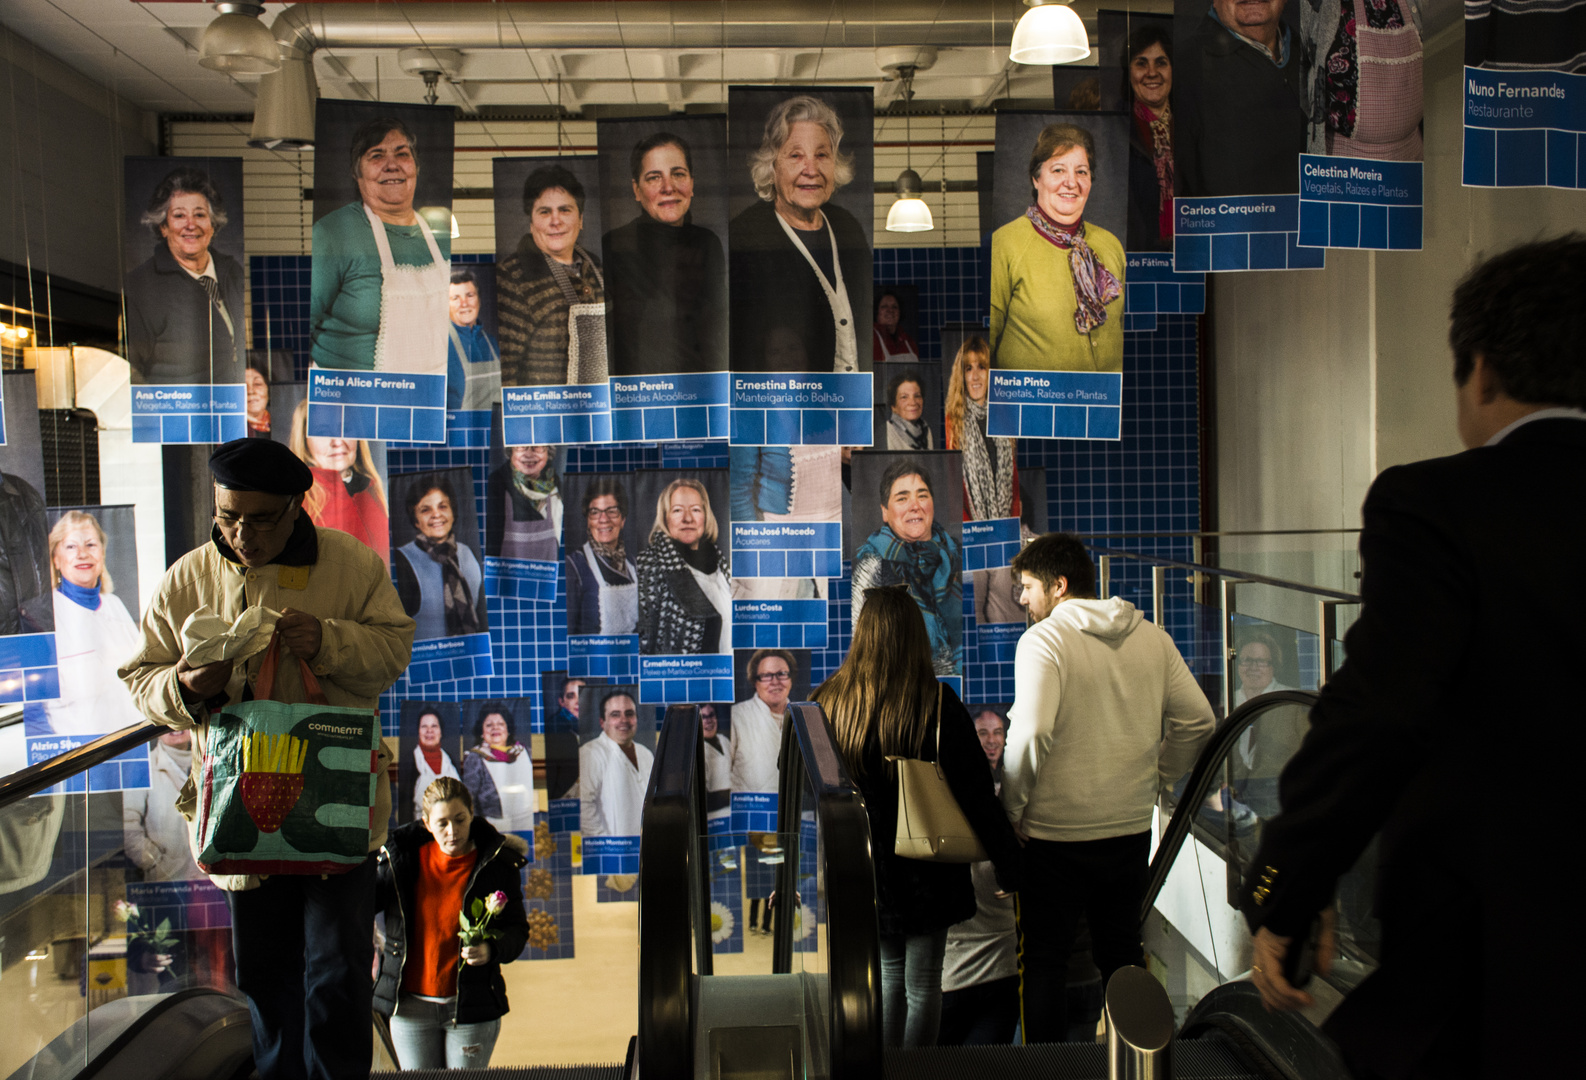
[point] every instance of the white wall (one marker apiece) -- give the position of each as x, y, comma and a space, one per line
60, 187
1324, 378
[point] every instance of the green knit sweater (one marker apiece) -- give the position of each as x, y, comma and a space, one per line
1033, 303
344, 284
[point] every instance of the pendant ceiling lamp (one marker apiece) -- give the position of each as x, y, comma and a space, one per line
1049, 33
909, 212
238, 43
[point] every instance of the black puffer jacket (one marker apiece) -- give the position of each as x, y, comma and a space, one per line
481, 992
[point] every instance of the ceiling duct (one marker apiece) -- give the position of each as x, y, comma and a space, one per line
286, 97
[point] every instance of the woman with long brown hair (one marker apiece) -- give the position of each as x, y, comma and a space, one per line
883, 702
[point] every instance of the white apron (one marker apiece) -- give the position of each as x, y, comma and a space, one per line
619, 604
481, 379
907, 355
847, 357
415, 311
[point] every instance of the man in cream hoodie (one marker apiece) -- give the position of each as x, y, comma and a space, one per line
1105, 714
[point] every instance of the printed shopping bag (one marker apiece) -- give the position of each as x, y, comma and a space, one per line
287, 789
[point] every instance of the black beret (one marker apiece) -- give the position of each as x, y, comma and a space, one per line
259, 465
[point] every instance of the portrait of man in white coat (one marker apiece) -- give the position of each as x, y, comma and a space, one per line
614, 769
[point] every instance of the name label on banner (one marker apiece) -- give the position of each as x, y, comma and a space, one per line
1524, 129
198, 413
658, 408
1240, 232
675, 680
796, 408
565, 815
523, 579
990, 544
784, 549
754, 811
693, 455
27, 669
997, 642
376, 405
444, 659
611, 855
555, 415
1360, 203
779, 624
1055, 405
603, 656
1152, 287
129, 772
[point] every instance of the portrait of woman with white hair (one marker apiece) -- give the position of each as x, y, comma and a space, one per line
801, 274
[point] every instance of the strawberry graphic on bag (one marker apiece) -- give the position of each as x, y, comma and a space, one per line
272, 778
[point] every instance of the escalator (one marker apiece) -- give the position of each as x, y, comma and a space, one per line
817, 1013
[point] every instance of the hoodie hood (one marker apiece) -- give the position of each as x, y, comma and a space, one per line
1111, 620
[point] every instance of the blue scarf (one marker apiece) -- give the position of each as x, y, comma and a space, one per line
88, 598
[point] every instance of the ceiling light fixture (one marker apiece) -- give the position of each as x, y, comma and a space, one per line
1049, 33
909, 212
238, 43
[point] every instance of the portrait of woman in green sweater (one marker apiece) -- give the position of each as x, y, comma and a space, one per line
1056, 280
380, 281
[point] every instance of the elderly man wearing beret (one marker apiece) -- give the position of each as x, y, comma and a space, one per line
303, 944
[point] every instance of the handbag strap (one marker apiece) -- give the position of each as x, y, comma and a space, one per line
938, 761
270, 666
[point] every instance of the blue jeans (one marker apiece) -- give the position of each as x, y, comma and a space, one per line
911, 988
425, 1037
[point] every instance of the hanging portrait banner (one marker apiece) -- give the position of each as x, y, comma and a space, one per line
27, 610
436, 558
523, 519
381, 271
800, 264
551, 301
663, 192
184, 276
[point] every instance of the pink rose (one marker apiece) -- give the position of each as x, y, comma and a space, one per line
495, 902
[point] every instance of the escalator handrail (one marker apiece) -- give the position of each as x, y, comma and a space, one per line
1207, 771
853, 939
35, 778
670, 929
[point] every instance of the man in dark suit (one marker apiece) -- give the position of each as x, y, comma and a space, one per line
1457, 688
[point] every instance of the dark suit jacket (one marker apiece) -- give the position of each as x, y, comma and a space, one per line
169, 330
1243, 124
1455, 729
779, 310
666, 299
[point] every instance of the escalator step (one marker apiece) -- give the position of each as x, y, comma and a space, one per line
1054, 1061
514, 1072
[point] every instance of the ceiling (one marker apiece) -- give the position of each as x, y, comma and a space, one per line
147, 52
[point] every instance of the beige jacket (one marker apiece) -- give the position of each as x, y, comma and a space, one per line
367, 642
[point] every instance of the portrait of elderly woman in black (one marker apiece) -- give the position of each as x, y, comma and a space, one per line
550, 293
438, 576
666, 277
801, 274
685, 590
184, 304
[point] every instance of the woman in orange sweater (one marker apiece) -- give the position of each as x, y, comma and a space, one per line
446, 999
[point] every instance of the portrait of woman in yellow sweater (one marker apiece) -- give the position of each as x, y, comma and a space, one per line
1057, 281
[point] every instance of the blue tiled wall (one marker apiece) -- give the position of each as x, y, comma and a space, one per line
1147, 482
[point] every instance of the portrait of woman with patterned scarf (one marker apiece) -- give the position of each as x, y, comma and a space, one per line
602, 582
1148, 91
991, 475
524, 506
438, 577
911, 548
1056, 279
685, 589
